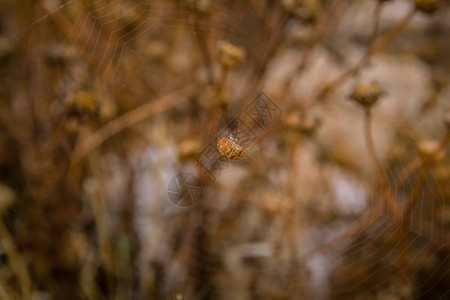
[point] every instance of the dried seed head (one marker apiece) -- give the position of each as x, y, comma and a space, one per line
307, 11
83, 105
292, 120
427, 6
156, 51
309, 124
230, 56
221, 99
367, 94
305, 123
188, 147
430, 150
58, 55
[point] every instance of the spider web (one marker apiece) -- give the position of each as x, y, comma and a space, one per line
107, 34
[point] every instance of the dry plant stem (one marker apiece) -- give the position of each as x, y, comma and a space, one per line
360, 227
371, 144
407, 171
372, 49
233, 190
274, 46
363, 60
220, 87
410, 201
388, 197
266, 16
351, 232
292, 179
413, 195
292, 214
287, 85
317, 36
128, 119
16, 261
101, 216
7, 293
7, 121
87, 275
203, 45
382, 43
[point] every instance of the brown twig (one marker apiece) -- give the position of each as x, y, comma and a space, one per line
371, 144
130, 118
362, 61
418, 162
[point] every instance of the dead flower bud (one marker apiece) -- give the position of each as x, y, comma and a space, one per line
188, 147
305, 123
430, 150
230, 56
367, 94
427, 6
309, 124
307, 11
83, 105
292, 121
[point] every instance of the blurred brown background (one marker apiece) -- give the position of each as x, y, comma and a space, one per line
346, 193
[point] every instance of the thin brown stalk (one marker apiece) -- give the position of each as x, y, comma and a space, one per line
101, 220
17, 263
411, 199
387, 38
420, 162
6, 292
222, 80
382, 175
373, 48
279, 34
293, 176
371, 144
407, 171
363, 60
130, 118
8, 122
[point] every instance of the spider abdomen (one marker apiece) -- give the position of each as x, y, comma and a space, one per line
231, 149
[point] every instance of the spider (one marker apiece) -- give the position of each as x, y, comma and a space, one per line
230, 148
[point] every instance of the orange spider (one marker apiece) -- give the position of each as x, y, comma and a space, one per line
231, 149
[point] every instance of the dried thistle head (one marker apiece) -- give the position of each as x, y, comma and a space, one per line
430, 150
57, 54
305, 123
230, 56
427, 6
83, 105
188, 147
367, 94
309, 124
308, 11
